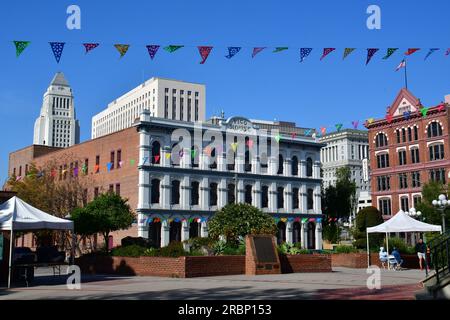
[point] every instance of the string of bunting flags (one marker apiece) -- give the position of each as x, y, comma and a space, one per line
57, 48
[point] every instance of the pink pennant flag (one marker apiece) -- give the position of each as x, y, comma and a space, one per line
294, 135
389, 118
441, 107
257, 50
157, 157
250, 143
323, 130
204, 53
355, 124
327, 51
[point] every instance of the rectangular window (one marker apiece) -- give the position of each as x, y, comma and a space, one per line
95, 192
415, 155
384, 205
416, 133
166, 107
398, 136
189, 106
111, 188
402, 157
403, 180
436, 152
409, 134
438, 175
384, 183
97, 160
119, 158
112, 159
196, 108
404, 135
404, 203
118, 189
383, 160
417, 200
415, 179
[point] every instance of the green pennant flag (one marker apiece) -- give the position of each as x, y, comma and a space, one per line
172, 48
20, 46
278, 138
424, 111
304, 220
347, 51
279, 49
339, 126
193, 153
122, 48
132, 162
390, 52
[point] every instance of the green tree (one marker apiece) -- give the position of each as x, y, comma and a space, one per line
238, 220
366, 218
105, 214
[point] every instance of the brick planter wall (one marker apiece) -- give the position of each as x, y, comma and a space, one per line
359, 260
305, 263
214, 266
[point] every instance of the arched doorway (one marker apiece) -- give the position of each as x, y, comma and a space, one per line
194, 229
296, 232
154, 233
311, 235
281, 232
175, 231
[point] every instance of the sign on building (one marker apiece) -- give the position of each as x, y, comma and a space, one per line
365, 168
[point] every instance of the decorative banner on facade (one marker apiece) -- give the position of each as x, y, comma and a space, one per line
257, 50
96, 168
319, 220
430, 52
144, 160
370, 53
279, 49
172, 48
390, 52
120, 164
193, 153
208, 151
232, 51
90, 46
370, 120
293, 135
355, 124
347, 51
204, 53
57, 48
339, 126
441, 107
312, 220
411, 51
304, 52
20, 46
234, 146
168, 155
84, 169
152, 50
250, 143
122, 48
326, 51
304, 220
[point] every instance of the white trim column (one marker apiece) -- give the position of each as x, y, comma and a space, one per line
318, 236
288, 198
204, 193
257, 194
184, 230
316, 170
304, 234
240, 191
302, 168
204, 230
273, 197
142, 226
222, 194
165, 233
165, 192
289, 233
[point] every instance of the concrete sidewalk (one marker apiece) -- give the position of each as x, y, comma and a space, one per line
342, 283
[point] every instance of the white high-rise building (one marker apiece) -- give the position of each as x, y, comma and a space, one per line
164, 98
57, 125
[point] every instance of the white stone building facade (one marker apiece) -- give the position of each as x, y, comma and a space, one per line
57, 125
181, 186
164, 98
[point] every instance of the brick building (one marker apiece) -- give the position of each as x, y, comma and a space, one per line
407, 150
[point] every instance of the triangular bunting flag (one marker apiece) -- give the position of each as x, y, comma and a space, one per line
232, 51
132, 162
370, 53
172, 48
109, 166
293, 135
304, 52
152, 50
323, 130
57, 48
389, 118
279, 49
401, 65
204, 53
390, 52
96, 168
168, 155
347, 51
326, 51
339, 126
355, 124
430, 52
278, 138
122, 48
441, 107
250, 143
90, 46
234, 146
411, 51
407, 115
257, 50
424, 111
447, 52
20, 46
157, 157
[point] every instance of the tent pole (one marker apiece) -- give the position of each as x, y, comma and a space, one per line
72, 251
387, 243
11, 248
368, 251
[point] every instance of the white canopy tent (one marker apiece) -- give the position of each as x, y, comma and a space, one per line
401, 222
17, 215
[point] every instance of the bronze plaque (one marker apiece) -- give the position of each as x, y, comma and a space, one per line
265, 251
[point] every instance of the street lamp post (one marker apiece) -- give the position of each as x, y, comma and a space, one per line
416, 215
441, 204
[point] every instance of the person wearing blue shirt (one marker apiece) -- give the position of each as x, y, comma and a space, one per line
397, 257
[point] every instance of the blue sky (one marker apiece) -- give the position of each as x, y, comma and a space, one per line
313, 94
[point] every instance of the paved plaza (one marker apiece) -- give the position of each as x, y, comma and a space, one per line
342, 283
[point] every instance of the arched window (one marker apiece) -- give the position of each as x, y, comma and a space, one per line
265, 197
154, 230
231, 193
176, 154
175, 192
381, 140
248, 194
280, 164
309, 167
175, 231
156, 152
213, 194
248, 164
311, 236
296, 232
213, 165
264, 161
310, 199
281, 232
280, 197
231, 159
434, 129
155, 191
194, 193
294, 166
295, 198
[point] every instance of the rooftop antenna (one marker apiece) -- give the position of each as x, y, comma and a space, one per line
222, 114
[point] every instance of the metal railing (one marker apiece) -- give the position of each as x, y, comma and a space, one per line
440, 256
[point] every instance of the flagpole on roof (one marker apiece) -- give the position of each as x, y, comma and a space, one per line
406, 76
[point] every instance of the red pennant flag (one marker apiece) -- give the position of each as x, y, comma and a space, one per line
96, 168
327, 51
294, 135
90, 46
157, 158
257, 50
204, 53
441, 107
411, 51
250, 143
389, 118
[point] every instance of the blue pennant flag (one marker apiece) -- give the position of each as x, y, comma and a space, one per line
57, 48
232, 51
304, 52
430, 52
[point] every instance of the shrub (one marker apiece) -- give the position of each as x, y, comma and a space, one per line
198, 243
346, 249
174, 249
235, 221
367, 217
400, 244
128, 251
139, 241
291, 249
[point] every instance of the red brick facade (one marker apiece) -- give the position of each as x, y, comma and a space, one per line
405, 129
359, 260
